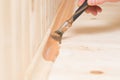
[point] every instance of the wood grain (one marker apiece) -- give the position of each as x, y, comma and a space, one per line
91, 45
64, 12
48, 45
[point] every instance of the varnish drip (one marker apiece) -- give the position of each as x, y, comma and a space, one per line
96, 72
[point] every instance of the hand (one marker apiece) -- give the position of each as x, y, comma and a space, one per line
94, 5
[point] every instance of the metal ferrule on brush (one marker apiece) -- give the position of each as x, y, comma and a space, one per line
66, 25
59, 33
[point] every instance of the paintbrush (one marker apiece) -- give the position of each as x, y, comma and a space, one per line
57, 35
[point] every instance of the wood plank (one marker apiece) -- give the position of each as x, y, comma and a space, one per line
91, 48
64, 13
42, 62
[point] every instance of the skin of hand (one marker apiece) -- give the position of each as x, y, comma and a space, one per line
94, 7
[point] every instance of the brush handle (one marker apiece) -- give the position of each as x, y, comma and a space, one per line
80, 10
66, 25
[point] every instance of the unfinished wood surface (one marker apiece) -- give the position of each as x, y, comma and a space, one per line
43, 14
14, 36
91, 48
23, 24
49, 48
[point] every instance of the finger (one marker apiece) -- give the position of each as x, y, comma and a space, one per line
92, 10
99, 9
87, 11
80, 2
112, 0
95, 2
91, 2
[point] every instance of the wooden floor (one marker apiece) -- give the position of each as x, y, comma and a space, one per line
90, 50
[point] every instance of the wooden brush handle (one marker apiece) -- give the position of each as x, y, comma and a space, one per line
80, 10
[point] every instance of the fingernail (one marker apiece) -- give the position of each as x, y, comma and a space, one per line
91, 2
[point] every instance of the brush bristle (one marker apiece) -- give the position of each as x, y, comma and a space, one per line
57, 35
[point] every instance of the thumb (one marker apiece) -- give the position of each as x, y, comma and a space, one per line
80, 2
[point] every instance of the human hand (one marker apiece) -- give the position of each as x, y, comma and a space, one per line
94, 7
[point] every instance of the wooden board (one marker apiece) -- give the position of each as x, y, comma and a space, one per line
23, 25
65, 11
48, 44
91, 48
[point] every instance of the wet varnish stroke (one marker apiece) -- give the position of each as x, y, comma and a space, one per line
51, 50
